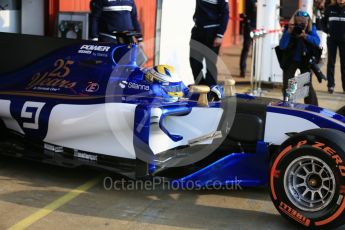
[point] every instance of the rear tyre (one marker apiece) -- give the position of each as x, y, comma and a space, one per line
307, 179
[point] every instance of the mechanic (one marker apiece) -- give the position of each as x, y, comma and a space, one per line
109, 16
211, 20
334, 25
298, 41
318, 14
249, 24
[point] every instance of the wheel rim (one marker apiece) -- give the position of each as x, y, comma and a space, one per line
309, 183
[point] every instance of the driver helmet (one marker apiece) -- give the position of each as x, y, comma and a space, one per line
165, 75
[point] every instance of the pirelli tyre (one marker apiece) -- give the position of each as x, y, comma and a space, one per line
307, 179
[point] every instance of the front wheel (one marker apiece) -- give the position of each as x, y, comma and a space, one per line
307, 179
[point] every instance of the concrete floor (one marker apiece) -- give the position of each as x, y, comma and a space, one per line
27, 188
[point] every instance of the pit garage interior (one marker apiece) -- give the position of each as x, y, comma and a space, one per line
40, 196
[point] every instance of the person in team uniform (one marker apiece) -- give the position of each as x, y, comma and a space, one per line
249, 24
211, 20
334, 26
109, 17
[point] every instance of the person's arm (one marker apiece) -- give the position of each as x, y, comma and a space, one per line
223, 22
313, 38
285, 40
96, 13
224, 17
135, 22
325, 21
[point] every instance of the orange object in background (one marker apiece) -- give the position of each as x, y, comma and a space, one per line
228, 36
147, 17
74, 5
231, 37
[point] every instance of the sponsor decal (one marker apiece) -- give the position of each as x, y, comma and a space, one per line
85, 156
294, 214
54, 79
53, 148
123, 84
332, 153
276, 174
105, 55
92, 87
88, 49
136, 86
132, 85
51, 89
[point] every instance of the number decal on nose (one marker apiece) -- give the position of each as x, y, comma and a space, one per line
31, 110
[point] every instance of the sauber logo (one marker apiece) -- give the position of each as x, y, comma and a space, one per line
87, 49
294, 214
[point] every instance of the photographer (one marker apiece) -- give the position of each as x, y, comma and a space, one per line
298, 43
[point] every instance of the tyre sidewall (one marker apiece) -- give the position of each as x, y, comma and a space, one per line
323, 149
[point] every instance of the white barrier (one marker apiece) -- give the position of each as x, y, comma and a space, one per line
176, 25
267, 67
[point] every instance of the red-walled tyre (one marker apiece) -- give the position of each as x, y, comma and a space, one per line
307, 179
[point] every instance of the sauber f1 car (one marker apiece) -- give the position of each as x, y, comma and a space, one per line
76, 103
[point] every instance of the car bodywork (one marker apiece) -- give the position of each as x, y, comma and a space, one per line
76, 103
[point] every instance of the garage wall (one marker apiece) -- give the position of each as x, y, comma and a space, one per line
147, 17
74, 5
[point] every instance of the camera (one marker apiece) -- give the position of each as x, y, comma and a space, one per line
298, 29
313, 63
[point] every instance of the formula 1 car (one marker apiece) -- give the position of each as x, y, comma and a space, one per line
76, 103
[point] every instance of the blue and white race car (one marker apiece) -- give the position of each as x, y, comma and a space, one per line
74, 103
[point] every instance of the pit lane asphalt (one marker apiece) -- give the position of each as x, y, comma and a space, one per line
27, 187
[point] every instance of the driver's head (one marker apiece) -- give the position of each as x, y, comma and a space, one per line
162, 74
167, 78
